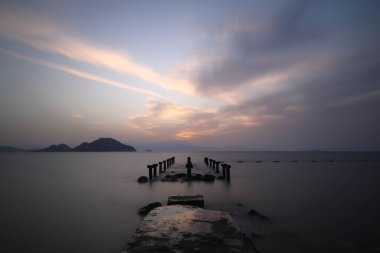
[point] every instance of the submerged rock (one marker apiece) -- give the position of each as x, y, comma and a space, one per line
174, 177
209, 178
255, 235
142, 179
197, 177
253, 212
146, 209
179, 175
192, 200
188, 229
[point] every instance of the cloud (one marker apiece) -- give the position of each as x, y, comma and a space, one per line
357, 99
255, 49
42, 34
305, 44
169, 120
82, 74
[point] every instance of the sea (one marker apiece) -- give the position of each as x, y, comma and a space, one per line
88, 202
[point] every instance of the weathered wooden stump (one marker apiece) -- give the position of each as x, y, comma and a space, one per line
150, 167
228, 167
206, 161
160, 167
224, 170
217, 166
155, 169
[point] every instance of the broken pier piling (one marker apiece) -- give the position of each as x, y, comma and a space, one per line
166, 171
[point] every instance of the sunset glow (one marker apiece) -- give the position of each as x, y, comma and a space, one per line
252, 74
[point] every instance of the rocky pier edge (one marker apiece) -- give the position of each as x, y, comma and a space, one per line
184, 226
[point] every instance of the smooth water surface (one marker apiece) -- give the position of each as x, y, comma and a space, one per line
87, 202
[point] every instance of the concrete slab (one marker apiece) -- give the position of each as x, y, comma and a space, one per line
186, 229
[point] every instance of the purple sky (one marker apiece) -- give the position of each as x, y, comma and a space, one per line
266, 75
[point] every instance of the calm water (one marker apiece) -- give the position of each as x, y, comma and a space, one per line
87, 202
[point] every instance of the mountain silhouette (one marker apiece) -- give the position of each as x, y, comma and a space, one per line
99, 145
56, 148
11, 149
103, 145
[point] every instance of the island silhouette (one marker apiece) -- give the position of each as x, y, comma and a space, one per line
99, 145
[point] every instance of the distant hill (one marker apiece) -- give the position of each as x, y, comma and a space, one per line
11, 149
103, 145
56, 148
100, 145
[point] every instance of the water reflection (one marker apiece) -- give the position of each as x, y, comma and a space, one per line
89, 202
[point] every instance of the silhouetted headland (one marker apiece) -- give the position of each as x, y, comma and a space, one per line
99, 145
56, 148
11, 149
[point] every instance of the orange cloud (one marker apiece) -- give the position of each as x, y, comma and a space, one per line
168, 120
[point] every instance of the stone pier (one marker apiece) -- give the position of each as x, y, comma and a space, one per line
186, 229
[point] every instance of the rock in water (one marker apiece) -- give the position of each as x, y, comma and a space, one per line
146, 209
197, 177
253, 212
188, 229
142, 179
209, 178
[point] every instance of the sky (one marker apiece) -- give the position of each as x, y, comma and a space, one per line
258, 74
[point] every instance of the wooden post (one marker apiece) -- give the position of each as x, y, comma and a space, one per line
224, 170
213, 164
206, 161
164, 164
155, 169
228, 167
168, 161
150, 172
160, 167
210, 165
217, 167
173, 159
